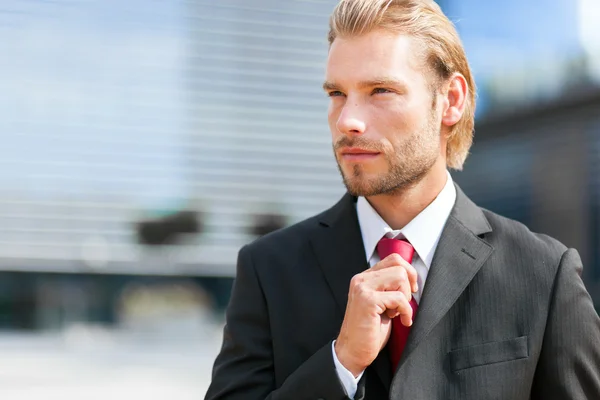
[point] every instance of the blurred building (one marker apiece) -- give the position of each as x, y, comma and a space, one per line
145, 142
259, 142
148, 141
541, 166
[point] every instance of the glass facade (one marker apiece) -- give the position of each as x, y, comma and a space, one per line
125, 111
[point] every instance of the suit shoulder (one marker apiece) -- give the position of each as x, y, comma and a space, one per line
513, 234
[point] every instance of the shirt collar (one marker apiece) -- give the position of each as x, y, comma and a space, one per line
423, 232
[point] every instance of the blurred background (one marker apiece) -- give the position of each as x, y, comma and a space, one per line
144, 142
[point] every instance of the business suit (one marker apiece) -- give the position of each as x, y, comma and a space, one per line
504, 315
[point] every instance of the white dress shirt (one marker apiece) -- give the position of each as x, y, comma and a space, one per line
423, 232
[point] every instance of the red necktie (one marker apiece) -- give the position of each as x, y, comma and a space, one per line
399, 335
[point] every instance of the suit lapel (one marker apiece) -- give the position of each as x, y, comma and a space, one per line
340, 251
459, 256
339, 248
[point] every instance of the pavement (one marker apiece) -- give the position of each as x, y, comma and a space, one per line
95, 363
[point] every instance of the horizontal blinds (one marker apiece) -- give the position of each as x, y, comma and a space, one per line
120, 111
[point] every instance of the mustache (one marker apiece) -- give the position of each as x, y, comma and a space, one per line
359, 142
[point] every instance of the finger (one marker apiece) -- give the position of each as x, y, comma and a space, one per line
391, 313
404, 311
396, 260
392, 260
389, 279
413, 277
396, 303
406, 319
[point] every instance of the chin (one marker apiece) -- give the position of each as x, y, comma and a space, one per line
358, 187
359, 182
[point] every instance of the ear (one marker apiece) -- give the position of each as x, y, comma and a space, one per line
456, 100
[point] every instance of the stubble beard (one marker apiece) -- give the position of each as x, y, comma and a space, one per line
406, 166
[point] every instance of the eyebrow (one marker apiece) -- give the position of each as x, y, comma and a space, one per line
389, 82
329, 86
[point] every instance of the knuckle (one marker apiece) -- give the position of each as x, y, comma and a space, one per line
396, 298
396, 258
402, 276
357, 280
402, 300
362, 290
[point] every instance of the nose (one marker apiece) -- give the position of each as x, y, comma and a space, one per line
350, 121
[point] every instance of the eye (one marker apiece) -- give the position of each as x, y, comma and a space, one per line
381, 90
335, 93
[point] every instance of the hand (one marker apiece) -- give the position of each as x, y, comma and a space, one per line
375, 296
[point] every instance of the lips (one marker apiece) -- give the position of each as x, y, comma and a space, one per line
357, 154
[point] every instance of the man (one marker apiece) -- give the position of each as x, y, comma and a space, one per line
405, 289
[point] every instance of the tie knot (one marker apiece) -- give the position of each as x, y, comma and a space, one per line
387, 246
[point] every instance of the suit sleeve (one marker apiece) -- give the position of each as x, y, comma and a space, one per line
569, 363
244, 368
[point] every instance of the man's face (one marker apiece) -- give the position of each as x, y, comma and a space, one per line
384, 124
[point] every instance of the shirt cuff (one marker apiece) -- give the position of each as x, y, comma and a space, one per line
349, 382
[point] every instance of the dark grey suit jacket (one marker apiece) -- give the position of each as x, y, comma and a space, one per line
504, 315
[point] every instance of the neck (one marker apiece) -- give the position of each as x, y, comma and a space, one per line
400, 207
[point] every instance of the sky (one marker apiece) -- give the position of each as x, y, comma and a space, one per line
589, 33
517, 44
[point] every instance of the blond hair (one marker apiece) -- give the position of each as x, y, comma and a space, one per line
445, 55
